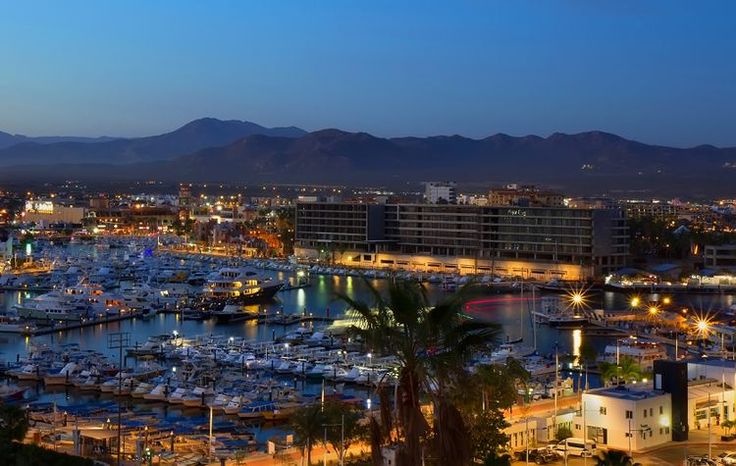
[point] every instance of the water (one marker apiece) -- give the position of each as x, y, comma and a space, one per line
321, 299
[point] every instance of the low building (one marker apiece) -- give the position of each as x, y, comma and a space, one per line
721, 257
45, 213
436, 192
524, 196
625, 417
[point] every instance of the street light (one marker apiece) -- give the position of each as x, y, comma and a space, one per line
634, 302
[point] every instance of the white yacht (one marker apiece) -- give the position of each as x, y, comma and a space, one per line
643, 352
50, 306
243, 285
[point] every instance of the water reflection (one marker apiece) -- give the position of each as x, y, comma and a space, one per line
577, 339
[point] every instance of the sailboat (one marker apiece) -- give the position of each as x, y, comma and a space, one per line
521, 320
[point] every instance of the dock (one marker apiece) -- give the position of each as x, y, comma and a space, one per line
31, 329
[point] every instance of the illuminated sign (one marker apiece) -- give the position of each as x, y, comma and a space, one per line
43, 207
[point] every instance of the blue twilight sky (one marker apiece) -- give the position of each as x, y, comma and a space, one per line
658, 71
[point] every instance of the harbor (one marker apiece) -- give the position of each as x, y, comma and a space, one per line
202, 363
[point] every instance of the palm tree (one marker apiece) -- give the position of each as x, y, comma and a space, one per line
432, 344
615, 458
626, 371
307, 423
588, 355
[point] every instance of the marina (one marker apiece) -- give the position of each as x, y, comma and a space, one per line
203, 347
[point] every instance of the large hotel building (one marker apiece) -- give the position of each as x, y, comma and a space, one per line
535, 242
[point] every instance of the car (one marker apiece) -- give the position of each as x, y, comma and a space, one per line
696, 460
575, 447
542, 455
727, 457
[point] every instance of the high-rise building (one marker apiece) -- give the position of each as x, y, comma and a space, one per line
185, 201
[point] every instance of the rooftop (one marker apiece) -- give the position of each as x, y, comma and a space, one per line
716, 362
628, 392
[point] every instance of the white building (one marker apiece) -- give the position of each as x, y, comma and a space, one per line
436, 192
710, 392
625, 417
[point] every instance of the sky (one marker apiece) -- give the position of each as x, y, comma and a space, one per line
658, 71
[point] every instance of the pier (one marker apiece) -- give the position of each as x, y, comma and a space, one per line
30, 329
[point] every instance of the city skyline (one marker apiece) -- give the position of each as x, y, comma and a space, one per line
656, 73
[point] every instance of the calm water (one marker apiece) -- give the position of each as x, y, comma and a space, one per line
320, 299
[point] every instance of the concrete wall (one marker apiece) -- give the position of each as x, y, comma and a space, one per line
647, 429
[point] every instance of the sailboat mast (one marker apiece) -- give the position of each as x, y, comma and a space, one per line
521, 312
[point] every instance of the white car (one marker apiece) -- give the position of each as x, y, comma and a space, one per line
727, 457
576, 447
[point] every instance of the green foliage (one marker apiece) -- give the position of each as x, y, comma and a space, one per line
562, 433
307, 423
18, 454
344, 426
486, 432
432, 342
626, 371
614, 458
13, 424
497, 459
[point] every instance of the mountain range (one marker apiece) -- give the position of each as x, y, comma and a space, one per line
237, 151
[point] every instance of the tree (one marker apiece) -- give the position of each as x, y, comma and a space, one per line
588, 355
562, 433
614, 458
239, 457
432, 344
344, 426
307, 423
13, 425
626, 371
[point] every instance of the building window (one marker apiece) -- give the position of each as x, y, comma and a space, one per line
651, 411
629, 414
602, 410
645, 413
661, 410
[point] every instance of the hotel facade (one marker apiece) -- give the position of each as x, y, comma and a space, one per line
533, 242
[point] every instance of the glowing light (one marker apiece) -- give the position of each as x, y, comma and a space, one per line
653, 310
666, 300
703, 325
578, 298
635, 301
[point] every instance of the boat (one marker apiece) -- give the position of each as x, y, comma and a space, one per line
49, 306
643, 352
256, 410
242, 285
60, 377
26, 372
232, 313
10, 393
197, 398
159, 393
220, 402
234, 405
281, 411
177, 397
141, 390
